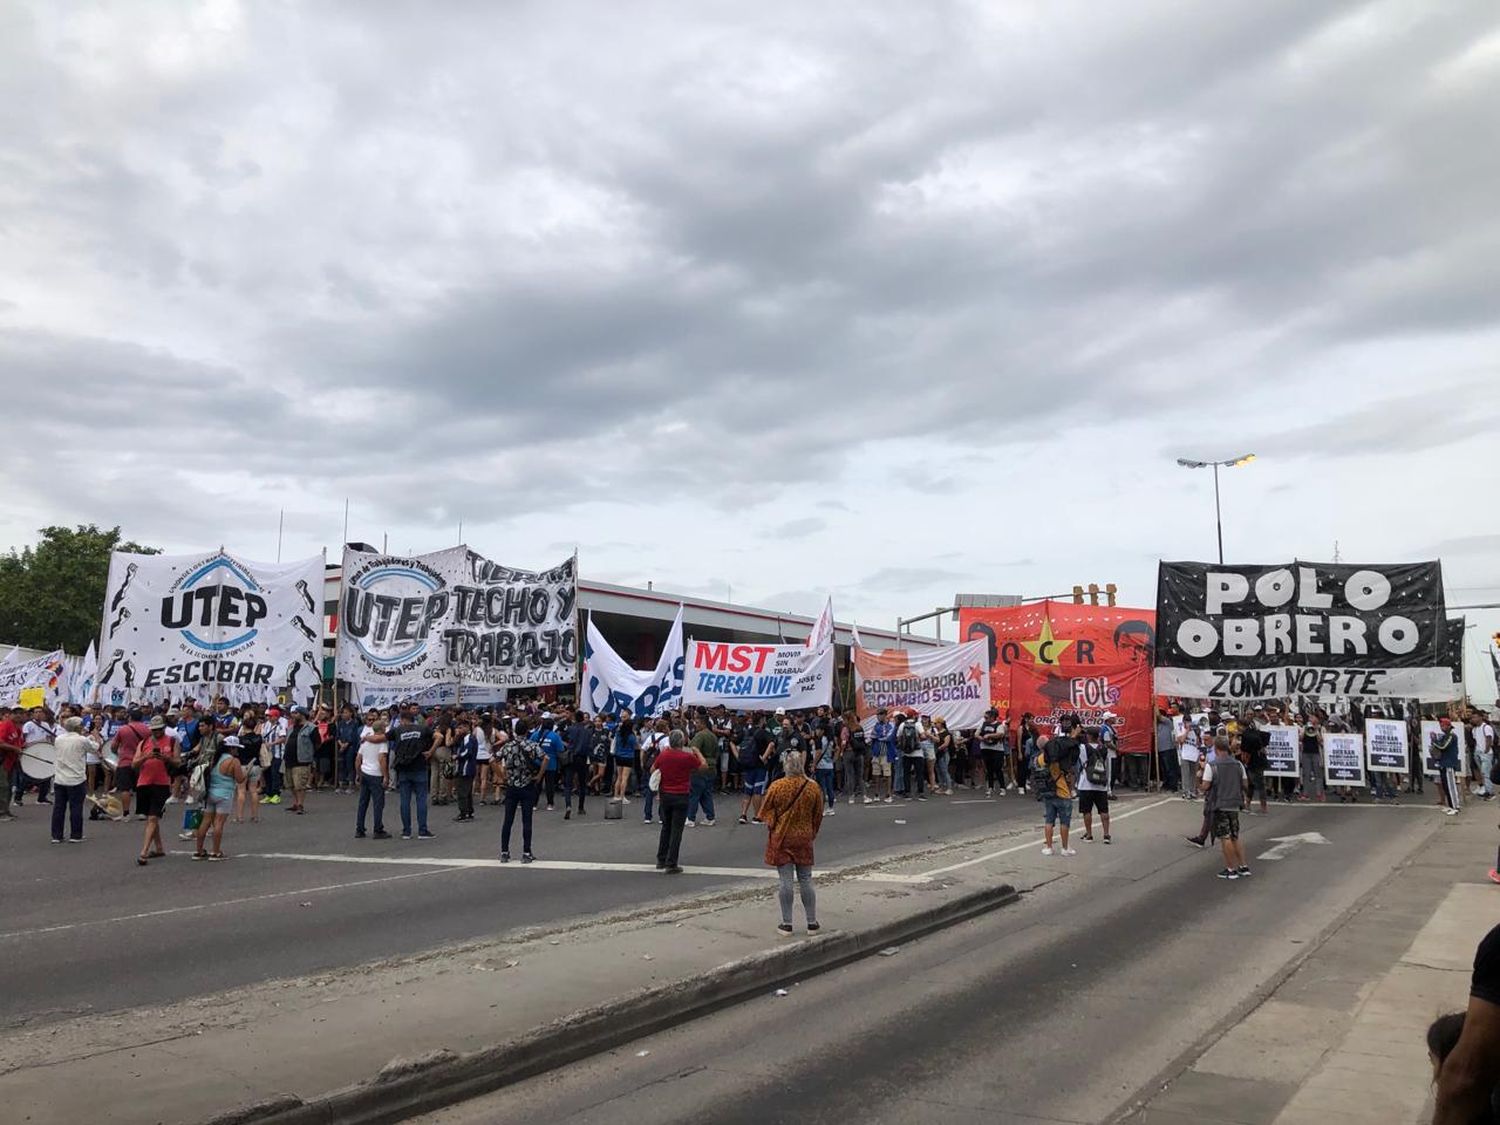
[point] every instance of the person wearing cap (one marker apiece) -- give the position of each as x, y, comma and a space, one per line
70, 779
1445, 749
992, 738
154, 759
273, 736
883, 755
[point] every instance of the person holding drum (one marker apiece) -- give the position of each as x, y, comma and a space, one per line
38, 755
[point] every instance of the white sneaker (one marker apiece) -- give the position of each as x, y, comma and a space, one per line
830, 810
869, 800
173, 801
1068, 851
1046, 851
890, 800
708, 823
1450, 812
690, 824
991, 792
851, 800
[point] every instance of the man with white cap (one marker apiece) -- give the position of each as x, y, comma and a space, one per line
70, 781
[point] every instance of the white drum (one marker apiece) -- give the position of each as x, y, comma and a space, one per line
38, 761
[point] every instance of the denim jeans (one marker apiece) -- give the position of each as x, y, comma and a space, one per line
701, 795
804, 884
944, 778
346, 775
412, 783
825, 782
371, 792
525, 800
69, 799
273, 778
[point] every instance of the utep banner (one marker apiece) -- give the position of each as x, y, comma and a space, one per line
948, 683
454, 617
1318, 629
749, 677
1052, 658
46, 672
210, 624
613, 687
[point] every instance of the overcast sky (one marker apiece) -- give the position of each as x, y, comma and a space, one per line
885, 300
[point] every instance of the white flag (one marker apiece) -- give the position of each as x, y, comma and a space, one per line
81, 689
612, 686
12, 656
821, 636
854, 636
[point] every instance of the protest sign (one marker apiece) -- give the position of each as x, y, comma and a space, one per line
1312, 629
1430, 732
454, 617
757, 677
1386, 749
1050, 657
1283, 744
211, 624
45, 674
1344, 758
948, 683
32, 697
613, 687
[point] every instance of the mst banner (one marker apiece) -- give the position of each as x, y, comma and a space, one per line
208, 625
1051, 657
613, 687
750, 677
952, 684
454, 617
1318, 629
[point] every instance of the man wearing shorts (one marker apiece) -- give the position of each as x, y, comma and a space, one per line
883, 754
1060, 758
1224, 791
127, 740
757, 748
1095, 776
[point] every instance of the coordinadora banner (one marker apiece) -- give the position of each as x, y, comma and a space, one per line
208, 625
47, 673
952, 684
613, 687
1316, 629
1051, 658
454, 617
750, 677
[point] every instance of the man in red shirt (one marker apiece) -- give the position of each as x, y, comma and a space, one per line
127, 739
10, 758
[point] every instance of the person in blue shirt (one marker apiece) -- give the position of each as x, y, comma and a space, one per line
465, 746
550, 743
1445, 748
883, 756
625, 748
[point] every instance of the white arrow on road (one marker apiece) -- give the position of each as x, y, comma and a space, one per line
1286, 844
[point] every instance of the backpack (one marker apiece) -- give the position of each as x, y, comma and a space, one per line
1097, 766
198, 781
906, 738
1040, 780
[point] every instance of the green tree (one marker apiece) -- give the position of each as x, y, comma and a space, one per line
52, 594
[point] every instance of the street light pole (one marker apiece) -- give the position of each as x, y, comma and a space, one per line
1188, 463
1218, 515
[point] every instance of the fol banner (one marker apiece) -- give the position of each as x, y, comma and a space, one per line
613, 687
754, 677
1283, 744
1315, 629
46, 674
1050, 658
454, 617
209, 625
952, 684
1344, 758
1386, 749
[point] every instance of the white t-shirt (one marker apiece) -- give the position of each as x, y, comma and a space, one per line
34, 732
1484, 738
370, 753
1084, 784
483, 753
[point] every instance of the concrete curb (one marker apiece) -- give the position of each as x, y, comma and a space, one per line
407, 1087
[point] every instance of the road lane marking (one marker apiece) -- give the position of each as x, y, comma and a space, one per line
1032, 843
214, 905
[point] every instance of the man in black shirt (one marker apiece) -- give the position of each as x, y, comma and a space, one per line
1466, 1084
411, 751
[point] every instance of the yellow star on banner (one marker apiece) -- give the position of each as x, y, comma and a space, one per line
1046, 649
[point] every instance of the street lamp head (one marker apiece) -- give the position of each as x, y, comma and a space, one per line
1187, 464
1244, 460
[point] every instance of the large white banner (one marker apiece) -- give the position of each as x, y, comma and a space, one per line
1386, 749
754, 677
613, 687
211, 624
47, 672
367, 698
454, 617
1283, 745
952, 683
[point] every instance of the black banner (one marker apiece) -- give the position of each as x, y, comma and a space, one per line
1317, 629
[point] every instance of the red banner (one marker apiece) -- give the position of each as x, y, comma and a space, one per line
1052, 658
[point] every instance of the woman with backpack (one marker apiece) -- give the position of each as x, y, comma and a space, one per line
221, 777
793, 812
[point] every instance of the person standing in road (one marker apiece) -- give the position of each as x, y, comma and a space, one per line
301, 753
677, 764
1189, 753
1224, 791
913, 759
11, 743
465, 766
625, 749
1095, 777
992, 745
1484, 753
1059, 758
883, 756
793, 813
222, 776
410, 745
372, 762
154, 759
522, 764
346, 736
701, 794
856, 760
1445, 748
756, 746
580, 738
1253, 747
70, 779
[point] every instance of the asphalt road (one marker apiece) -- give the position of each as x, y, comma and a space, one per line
76, 918
1056, 1010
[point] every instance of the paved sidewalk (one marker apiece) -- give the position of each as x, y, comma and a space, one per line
189, 1061
1342, 1038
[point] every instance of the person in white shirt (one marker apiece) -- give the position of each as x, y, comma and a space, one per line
1095, 776
1188, 754
372, 761
37, 737
70, 781
1484, 754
